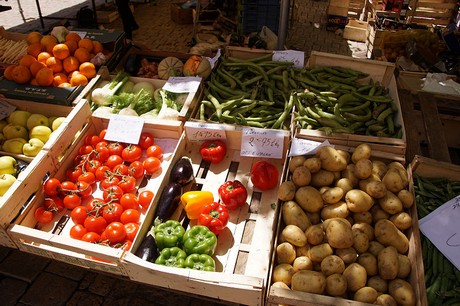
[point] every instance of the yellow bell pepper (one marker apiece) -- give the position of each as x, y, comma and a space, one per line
194, 200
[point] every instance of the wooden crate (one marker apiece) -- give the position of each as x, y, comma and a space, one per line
53, 239
356, 30
280, 296
243, 249
20, 41
245, 53
431, 12
378, 71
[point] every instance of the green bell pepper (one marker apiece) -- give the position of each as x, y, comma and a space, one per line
199, 240
201, 262
168, 234
172, 257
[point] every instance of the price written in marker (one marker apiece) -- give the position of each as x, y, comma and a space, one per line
126, 129
203, 131
262, 143
182, 84
301, 146
297, 57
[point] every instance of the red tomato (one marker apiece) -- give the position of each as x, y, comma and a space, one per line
136, 169
127, 184
102, 172
145, 198
85, 150
115, 232
92, 165
84, 189
264, 175
146, 140
102, 153
77, 231
95, 224
72, 174
42, 215
131, 230
102, 134
131, 153
68, 187
155, 151
52, 186
113, 160
126, 246
112, 212
129, 201
112, 193
92, 140
79, 214
95, 205
115, 148
79, 160
87, 177
71, 201
120, 170
151, 165
130, 215
101, 144
54, 204
91, 237
110, 181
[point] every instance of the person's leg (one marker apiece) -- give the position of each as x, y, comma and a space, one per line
126, 17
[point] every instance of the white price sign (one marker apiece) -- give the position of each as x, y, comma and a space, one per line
198, 131
304, 147
297, 57
125, 129
262, 143
182, 84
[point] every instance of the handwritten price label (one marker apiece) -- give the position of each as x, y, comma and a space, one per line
303, 146
5, 109
297, 57
182, 84
202, 131
117, 129
262, 143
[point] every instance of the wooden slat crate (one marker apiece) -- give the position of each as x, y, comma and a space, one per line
243, 250
53, 240
378, 71
19, 39
431, 12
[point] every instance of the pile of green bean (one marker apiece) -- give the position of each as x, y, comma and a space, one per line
442, 278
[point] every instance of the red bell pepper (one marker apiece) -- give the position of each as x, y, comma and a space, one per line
264, 175
233, 194
214, 216
213, 151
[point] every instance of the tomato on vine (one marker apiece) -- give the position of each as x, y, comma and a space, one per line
92, 140
68, 187
129, 201
127, 184
102, 153
71, 201
113, 160
120, 170
109, 181
92, 165
73, 173
91, 237
136, 169
95, 206
115, 148
112, 193
145, 198
131, 230
95, 224
102, 134
112, 212
131, 153
54, 204
102, 172
52, 186
77, 231
87, 177
85, 149
130, 215
42, 215
115, 232
79, 214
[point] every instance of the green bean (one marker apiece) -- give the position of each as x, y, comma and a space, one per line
378, 99
383, 115
250, 65
227, 78
355, 108
286, 112
309, 82
355, 117
215, 102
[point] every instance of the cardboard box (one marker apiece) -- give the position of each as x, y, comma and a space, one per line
356, 30
180, 15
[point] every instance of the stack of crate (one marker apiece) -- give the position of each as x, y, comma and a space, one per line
431, 12
255, 14
337, 14
356, 9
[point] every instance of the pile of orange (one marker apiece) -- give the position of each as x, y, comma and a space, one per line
49, 63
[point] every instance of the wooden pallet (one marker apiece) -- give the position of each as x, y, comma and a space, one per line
431, 12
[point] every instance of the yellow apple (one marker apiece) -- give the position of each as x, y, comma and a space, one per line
6, 180
41, 132
19, 117
33, 147
37, 119
57, 122
51, 120
3, 123
11, 131
8, 165
14, 145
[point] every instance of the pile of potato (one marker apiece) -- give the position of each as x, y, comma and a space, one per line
344, 220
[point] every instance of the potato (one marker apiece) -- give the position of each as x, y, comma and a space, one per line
363, 151
313, 164
379, 168
286, 191
349, 173
378, 213
360, 241
369, 262
332, 264
401, 220
315, 234
282, 273
385, 300
364, 227
319, 252
337, 210
404, 266
366, 295
315, 217
362, 217
345, 184
322, 178
294, 235
285, 253
332, 195
356, 276
302, 251
388, 234
375, 189
391, 203
295, 162
378, 283
301, 176
375, 247
331, 160
402, 292
337, 175
348, 255
309, 198
395, 179
338, 233
293, 214
280, 285
302, 263
308, 281
336, 285
388, 264
345, 154
363, 168
406, 197
358, 201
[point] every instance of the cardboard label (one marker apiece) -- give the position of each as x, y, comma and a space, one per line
262, 143
296, 57
182, 84
198, 131
304, 147
126, 129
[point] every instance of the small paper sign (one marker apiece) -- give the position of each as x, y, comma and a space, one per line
197, 131
213, 60
441, 227
262, 143
303, 146
182, 84
126, 129
5, 109
297, 57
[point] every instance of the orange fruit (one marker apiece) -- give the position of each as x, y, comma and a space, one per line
33, 37
72, 36
78, 79
59, 78
65, 84
21, 74
34, 49
8, 72
47, 40
49, 48
44, 77
54, 64
72, 45
87, 69
70, 64
97, 47
35, 67
82, 55
34, 82
61, 51
86, 43
43, 56
27, 60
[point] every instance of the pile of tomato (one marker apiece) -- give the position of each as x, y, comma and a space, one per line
113, 218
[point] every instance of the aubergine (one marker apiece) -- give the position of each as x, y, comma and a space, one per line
182, 171
168, 202
148, 249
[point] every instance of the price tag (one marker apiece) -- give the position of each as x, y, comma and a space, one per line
262, 143
304, 147
441, 227
213, 60
297, 57
182, 84
198, 131
126, 129
5, 109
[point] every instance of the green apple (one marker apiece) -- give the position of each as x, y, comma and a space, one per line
33, 147
41, 132
8, 165
57, 122
11, 131
3, 123
14, 145
51, 120
6, 180
19, 117
37, 119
